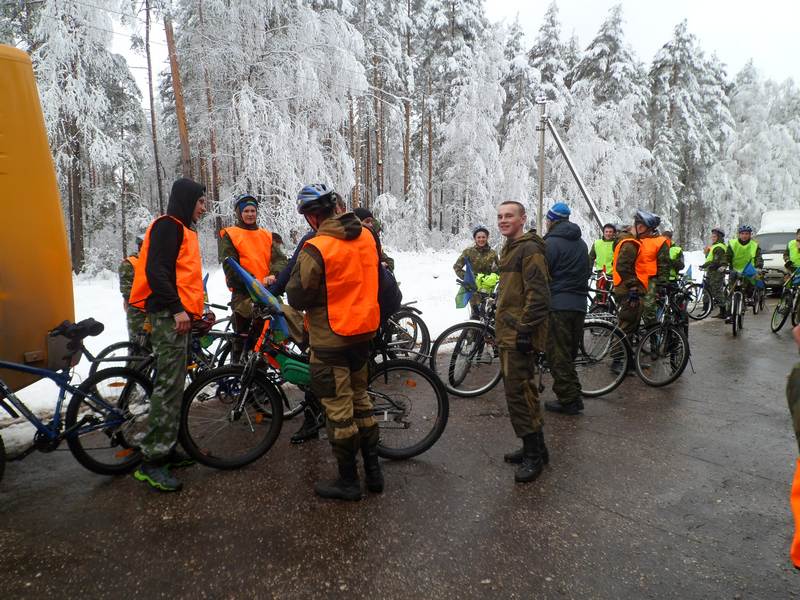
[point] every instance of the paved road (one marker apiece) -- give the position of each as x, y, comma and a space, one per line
672, 493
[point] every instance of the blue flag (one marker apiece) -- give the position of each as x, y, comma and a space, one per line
260, 294
468, 287
749, 271
689, 273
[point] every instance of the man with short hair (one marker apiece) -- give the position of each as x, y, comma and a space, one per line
676, 263
791, 256
523, 306
168, 284
368, 219
743, 251
602, 253
569, 269
335, 280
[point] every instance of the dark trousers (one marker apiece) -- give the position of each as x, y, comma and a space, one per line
563, 341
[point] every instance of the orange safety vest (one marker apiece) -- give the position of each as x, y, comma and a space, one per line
641, 275
648, 251
351, 279
254, 247
133, 260
188, 273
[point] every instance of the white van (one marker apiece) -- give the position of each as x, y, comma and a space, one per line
778, 228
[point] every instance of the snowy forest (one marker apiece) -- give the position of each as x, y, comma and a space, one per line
422, 110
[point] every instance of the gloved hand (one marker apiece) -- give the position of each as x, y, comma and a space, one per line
524, 343
633, 297
789, 265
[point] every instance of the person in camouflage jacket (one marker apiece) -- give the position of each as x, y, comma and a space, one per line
483, 260
523, 309
135, 318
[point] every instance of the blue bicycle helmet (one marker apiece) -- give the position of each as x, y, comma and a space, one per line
314, 197
745, 229
647, 219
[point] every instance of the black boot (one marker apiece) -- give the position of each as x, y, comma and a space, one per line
573, 408
373, 475
347, 485
531, 466
515, 457
723, 314
312, 423
542, 448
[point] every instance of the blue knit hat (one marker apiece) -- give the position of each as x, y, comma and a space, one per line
558, 211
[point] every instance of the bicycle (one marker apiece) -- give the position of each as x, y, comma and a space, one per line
467, 358
105, 416
662, 351
789, 303
406, 335
699, 302
602, 303
736, 301
410, 404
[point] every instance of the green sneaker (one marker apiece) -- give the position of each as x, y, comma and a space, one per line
157, 476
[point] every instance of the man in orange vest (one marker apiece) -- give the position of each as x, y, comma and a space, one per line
257, 251
136, 318
168, 284
335, 280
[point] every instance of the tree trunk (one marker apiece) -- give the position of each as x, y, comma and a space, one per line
78, 257
212, 133
367, 164
378, 128
406, 148
122, 208
177, 87
152, 106
430, 166
354, 152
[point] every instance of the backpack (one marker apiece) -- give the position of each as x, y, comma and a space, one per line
389, 295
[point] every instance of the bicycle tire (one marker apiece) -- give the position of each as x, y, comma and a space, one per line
2, 458
409, 394
116, 433
408, 336
699, 303
481, 360
756, 305
796, 312
602, 360
209, 400
781, 312
110, 354
653, 348
736, 313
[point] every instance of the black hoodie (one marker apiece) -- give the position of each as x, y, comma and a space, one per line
569, 266
166, 238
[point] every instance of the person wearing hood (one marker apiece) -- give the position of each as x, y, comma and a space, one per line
335, 280
168, 284
523, 304
136, 318
366, 217
257, 251
483, 260
570, 268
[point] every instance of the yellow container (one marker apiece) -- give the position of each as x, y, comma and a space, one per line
35, 270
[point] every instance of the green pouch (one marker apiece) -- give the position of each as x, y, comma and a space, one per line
294, 371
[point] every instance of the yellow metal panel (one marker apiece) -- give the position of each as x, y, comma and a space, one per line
35, 271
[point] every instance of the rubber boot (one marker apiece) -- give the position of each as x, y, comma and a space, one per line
794, 500
531, 466
573, 408
347, 485
515, 457
723, 314
373, 474
312, 423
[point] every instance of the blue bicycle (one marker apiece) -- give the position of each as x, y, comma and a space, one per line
106, 416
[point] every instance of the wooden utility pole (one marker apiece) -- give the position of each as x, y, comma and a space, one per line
177, 88
152, 106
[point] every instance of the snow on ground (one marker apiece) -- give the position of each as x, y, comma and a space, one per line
424, 277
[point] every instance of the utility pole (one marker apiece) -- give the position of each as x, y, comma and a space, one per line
546, 124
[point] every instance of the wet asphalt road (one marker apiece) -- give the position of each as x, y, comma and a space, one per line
679, 492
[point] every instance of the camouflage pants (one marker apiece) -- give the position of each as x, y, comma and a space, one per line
793, 397
629, 316
716, 287
522, 395
339, 380
563, 340
649, 305
170, 349
136, 320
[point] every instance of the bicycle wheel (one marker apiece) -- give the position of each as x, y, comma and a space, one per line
2, 458
781, 312
230, 416
120, 354
756, 304
698, 301
410, 406
466, 359
408, 336
736, 312
107, 418
603, 357
662, 355
795, 310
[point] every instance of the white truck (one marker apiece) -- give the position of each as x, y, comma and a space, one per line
778, 228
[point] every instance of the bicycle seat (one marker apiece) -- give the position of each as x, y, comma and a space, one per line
78, 331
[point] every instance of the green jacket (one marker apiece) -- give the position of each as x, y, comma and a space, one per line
758, 260
125, 271
483, 260
717, 256
306, 288
676, 261
523, 297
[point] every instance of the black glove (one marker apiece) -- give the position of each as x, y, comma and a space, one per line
789, 265
524, 343
633, 297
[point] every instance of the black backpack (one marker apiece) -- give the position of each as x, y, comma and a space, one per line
389, 295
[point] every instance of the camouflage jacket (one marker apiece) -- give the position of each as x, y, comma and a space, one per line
125, 271
483, 260
523, 297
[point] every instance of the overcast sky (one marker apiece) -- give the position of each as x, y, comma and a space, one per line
768, 31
